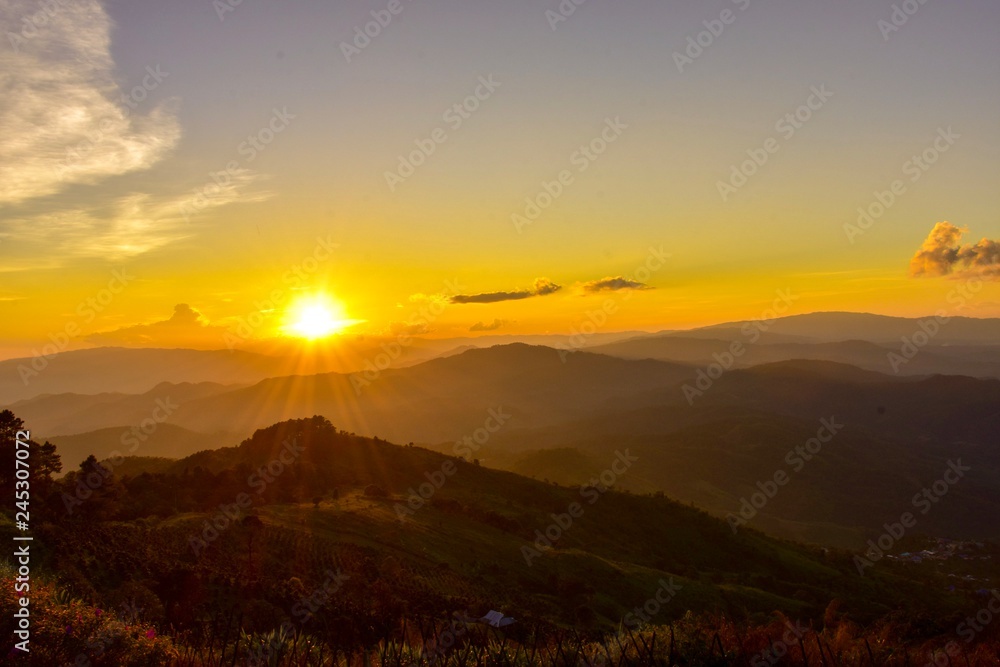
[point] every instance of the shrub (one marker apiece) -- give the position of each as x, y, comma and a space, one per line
374, 491
72, 632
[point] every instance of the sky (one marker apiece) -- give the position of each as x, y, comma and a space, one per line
171, 173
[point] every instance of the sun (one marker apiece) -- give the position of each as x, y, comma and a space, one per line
314, 317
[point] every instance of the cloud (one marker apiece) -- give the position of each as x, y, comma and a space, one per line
491, 297
420, 297
545, 286
942, 254
60, 95
407, 329
185, 328
492, 326
542, 287
129, 224
613, 285
75, 140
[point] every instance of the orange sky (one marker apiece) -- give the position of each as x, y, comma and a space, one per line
544, 180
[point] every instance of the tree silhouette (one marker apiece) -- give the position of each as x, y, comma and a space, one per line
92, 493
43, 461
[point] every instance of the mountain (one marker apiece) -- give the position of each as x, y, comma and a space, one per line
137, 370
126, 370
69, 414
898, 435
422, 533
556, 415
946, 409
442, 399
974, 361
166, 441
840, 326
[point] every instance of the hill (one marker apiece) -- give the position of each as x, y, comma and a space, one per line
308, 538
69, 414
898, 436
444, 531
842, 326
974, 361
442, 399
166, 441
127, 370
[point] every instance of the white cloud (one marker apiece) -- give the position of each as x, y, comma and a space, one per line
66, 124
131, 224
59, 94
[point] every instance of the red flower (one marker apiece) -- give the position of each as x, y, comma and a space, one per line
151, 633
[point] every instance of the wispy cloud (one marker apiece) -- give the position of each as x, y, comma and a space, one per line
613, 285
127, 225
63, 118
942, 254
70, 135
543, 287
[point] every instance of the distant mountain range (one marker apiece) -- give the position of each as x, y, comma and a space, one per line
840, 326
137, 370
708, 426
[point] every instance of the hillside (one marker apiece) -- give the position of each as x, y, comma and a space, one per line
562, 415
898, 436
166, 441
129, 371
70, 414
843, 326
470, 543
974, 361
442, 399
307, 536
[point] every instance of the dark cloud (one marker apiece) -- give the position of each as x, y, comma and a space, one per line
184, 315
942, 254
491, 297
543, 286
492, 326
613, 285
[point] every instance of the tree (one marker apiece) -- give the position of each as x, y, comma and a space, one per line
43, 461
92, 493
